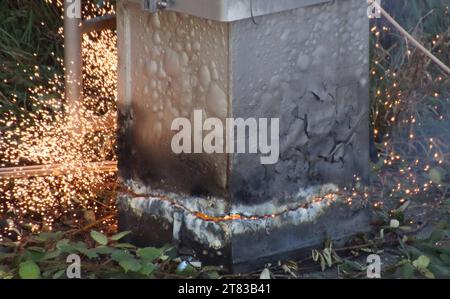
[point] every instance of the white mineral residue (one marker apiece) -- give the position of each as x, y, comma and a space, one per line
152, 205
216, 235
216, 207
211, 206
305, 195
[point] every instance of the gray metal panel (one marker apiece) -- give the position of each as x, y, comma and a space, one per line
308, 67
233, 10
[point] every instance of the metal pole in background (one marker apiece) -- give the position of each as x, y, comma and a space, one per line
73, 62
74, 28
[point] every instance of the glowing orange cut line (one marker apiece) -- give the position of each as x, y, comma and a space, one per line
229, 218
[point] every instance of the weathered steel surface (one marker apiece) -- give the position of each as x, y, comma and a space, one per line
307, 66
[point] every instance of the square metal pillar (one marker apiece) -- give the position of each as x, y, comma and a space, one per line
304, 62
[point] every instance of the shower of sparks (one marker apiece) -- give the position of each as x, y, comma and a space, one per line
67, 139
51, 135
415, 165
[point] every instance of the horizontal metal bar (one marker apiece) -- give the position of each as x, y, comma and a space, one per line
99, 23
55, 169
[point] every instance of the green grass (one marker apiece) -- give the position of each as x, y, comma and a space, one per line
29, 43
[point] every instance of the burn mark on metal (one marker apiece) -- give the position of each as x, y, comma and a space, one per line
241, 242
307, 66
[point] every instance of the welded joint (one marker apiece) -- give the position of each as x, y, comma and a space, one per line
153, 6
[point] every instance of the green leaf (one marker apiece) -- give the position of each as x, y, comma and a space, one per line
34, 256
119, 236
428, 274
186, 269
434, 249
352, 265
413, 251
212, 275
65, 247
149, 253
130, 264
439, 271
408, 271
436, 236
124, 245
170, 251
89, 253
29, 270
59, 274
445, 258
51, 255
148, 269
120, 255
435, 176
99, 237
422, 263
103, 250
211, 272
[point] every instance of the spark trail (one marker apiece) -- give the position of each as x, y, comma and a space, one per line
56, 160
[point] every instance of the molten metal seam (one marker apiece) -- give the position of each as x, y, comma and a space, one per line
229, 218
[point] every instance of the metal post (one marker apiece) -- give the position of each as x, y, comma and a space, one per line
72, 52
74, 28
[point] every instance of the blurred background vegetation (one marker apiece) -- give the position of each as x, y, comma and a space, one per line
29, 44
398, 67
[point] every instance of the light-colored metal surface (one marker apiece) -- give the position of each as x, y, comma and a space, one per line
73, 62
234, 10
